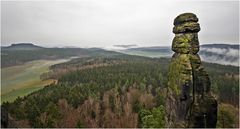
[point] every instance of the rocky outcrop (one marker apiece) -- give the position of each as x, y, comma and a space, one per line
189, 101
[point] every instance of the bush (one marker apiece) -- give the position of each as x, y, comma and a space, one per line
152, 118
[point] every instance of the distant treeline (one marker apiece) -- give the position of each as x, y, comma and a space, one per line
12, 57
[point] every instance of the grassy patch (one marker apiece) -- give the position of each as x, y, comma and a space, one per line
24, 79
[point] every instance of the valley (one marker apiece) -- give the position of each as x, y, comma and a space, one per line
224, 54
20, 80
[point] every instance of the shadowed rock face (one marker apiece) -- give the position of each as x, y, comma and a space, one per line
189, 101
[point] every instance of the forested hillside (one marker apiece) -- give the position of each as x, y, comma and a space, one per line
213, 53
113, 91
18, 54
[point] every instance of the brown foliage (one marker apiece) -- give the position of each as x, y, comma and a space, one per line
69, 115
147, 100
18, 123
114, 110
122, 114
89, 113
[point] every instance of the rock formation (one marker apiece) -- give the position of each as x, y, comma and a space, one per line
189, 101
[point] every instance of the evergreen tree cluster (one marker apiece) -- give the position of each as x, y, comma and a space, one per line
127, 91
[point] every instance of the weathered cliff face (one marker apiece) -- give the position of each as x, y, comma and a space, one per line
189, 101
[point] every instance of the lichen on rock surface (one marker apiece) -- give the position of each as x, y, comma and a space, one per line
185, 43
179, 72
185, 17
189, 100
188, 27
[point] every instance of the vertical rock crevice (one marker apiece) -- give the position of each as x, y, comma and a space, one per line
189, 101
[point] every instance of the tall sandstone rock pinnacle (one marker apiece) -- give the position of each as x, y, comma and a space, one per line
189, 100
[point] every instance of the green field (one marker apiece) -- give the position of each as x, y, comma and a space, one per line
23, 79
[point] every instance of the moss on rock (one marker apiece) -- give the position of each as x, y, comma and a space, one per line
181, 44
179, 72
187, 27
185, 17
195, 61
185, 43
188, 83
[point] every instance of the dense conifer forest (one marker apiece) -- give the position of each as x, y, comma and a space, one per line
114, 91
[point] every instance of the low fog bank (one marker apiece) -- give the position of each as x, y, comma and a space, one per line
226, 56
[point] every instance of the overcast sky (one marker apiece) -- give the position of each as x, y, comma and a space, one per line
103, 23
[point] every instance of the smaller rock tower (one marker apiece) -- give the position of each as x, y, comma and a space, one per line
189, 101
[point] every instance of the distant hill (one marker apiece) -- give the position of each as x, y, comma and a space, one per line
20, 53
17, 54
95, 48
22, 46
168, 48
215, 53
223, 46
154, 48
125, 46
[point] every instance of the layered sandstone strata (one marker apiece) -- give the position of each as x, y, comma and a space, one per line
189, 100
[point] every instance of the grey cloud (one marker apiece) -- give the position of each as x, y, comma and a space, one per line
103, 23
